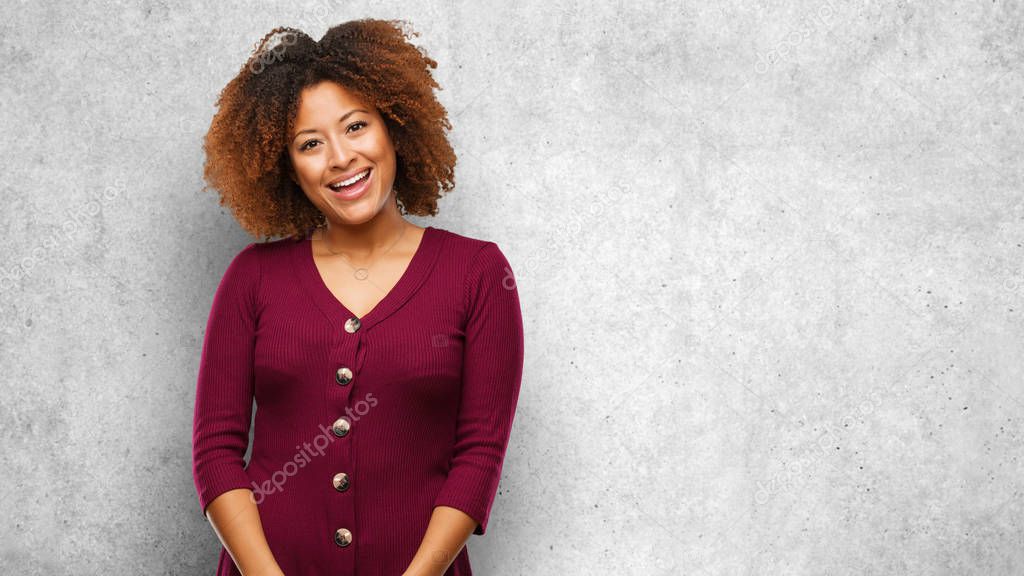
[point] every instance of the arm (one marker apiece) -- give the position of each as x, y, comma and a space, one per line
236, 520
491, 375
223, 411
446, 535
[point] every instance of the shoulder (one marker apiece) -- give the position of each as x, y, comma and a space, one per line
482, 266
254, 265
267, 254
257, 259
245, 262
472, 251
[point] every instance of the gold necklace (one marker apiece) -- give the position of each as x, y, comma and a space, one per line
360, 273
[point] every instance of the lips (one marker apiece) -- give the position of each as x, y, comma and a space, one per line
355, 190
333, 183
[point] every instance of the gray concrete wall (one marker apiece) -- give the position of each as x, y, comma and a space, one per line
769, 256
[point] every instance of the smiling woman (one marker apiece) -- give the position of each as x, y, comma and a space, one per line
384, 358
342, 155
289, 88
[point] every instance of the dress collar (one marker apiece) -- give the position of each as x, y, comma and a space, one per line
419, 268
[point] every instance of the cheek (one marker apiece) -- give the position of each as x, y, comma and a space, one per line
307, 172
386, 162
382, 150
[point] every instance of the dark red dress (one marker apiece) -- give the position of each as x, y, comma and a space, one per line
363, 425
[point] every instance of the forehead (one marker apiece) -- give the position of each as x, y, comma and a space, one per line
326, 98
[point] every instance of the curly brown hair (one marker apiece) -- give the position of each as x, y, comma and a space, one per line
247, 158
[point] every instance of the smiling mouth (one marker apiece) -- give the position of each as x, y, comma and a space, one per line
351, 183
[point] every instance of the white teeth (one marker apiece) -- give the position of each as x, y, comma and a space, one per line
351, 180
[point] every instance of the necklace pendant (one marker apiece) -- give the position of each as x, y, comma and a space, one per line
361, 273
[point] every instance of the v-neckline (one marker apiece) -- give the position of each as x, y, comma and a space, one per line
415, 272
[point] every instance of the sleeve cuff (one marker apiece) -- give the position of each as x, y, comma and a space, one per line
472, 492
218, 481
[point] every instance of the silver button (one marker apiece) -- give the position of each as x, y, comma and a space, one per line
342, 537
352, 324
340, 481
341, 427
343, 376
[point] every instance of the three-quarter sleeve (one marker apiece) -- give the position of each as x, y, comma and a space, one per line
491, 375
225, 384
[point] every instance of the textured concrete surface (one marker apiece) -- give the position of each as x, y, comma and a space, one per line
770, 260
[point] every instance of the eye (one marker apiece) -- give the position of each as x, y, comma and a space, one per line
306, 146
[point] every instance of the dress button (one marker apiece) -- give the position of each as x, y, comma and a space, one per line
352, 324
340, 481
343, 376
342, 537
341, 427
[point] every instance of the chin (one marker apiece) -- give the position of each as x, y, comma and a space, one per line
356, 215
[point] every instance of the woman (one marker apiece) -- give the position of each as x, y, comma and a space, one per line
384, 358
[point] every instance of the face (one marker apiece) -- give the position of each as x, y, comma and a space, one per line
337, 137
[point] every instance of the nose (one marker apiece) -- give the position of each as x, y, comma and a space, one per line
340, 154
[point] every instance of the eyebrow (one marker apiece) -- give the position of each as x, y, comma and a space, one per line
340, 120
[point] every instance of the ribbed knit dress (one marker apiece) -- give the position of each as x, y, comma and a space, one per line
362, 425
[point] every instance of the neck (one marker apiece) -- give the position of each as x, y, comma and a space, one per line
364, 241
